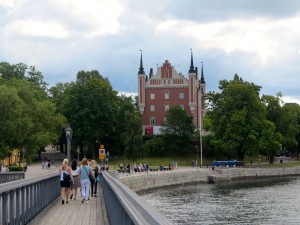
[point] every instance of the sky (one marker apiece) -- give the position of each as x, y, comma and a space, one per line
257, 39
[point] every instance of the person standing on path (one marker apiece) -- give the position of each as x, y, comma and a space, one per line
84, 181
75, 171
65, 181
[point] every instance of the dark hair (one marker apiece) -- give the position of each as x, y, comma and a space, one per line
74, 164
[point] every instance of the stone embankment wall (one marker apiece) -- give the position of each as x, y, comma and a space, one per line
138, 182
11, 176
159, 179
244, 173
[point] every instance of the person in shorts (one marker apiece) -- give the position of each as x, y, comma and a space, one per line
65, 181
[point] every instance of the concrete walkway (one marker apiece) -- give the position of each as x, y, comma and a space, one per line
74, 212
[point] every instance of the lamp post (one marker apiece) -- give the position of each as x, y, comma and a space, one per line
23, 154
199, 116
68, 131
78, 151
197, 153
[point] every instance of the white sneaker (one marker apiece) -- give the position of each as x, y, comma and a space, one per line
86, 202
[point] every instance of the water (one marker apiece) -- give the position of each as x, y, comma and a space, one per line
265, 201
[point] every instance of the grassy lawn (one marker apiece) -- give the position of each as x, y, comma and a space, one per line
187, 160
280, 165
164, 160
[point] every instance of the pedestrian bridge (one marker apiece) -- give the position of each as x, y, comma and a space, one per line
36, 200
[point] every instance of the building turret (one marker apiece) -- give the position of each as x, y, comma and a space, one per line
141, 70
192, 70
202, 81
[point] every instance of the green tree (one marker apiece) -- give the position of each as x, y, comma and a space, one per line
155, 145
29, 118
132, 136
286, 119
125, 104
8, 71
237, 118
289, 126
178, 130
91, 110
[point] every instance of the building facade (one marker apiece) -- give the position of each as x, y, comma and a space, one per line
157, 92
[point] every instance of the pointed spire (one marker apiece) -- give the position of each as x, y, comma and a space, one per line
141, 70
192, 70
202, 81
151, 73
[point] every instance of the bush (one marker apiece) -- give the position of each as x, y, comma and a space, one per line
15, 168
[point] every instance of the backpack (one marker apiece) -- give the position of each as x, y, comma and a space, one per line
66, 177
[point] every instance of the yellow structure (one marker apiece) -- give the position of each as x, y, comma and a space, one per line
13, 159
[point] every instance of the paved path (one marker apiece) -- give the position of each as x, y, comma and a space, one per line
68, 214
74, 213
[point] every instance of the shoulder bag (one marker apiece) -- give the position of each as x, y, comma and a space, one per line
90, 176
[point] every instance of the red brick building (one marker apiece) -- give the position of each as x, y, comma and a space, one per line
157, 92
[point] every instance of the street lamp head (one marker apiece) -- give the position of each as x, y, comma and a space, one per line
68, 131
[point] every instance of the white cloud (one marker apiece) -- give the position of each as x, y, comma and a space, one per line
290, 99
261, 37
36, 28
128, 94
8, 4
99, 17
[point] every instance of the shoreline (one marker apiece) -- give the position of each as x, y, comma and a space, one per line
142, 181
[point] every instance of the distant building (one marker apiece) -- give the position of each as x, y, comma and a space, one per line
157, 92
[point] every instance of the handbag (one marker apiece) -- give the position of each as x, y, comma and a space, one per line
90, 176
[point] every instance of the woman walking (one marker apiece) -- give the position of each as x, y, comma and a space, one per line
94, 182
74, 186
85, 171
65, 181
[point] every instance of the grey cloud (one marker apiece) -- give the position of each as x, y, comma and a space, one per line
216, 10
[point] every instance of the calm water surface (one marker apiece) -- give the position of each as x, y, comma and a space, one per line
269, 201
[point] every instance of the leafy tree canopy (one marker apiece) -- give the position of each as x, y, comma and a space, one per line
28, 117
237, 118
90, 107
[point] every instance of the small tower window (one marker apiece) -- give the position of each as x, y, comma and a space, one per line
152, 96
152, 108
152, 120
167, 107
181, 95
167, 95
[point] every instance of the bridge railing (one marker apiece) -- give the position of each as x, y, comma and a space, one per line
22, 200
125, 207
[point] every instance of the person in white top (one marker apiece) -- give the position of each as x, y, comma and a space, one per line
74, 185
65, 181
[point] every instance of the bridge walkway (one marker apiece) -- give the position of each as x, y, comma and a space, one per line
73, 213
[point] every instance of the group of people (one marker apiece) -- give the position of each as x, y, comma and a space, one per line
46, 164
136, 168
84, 176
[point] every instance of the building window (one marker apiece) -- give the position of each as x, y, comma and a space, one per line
165, 119
167, 95
167, 107
152, 108
152, 96
182, 106
181, 95
152, 120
